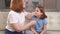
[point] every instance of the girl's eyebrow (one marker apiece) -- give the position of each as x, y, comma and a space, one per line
36, 10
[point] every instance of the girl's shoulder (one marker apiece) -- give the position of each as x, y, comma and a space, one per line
45, 19
34, 18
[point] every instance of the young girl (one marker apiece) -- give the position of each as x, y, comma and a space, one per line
16, 18
41, 22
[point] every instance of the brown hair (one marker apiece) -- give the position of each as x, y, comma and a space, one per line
16, 5
42, 10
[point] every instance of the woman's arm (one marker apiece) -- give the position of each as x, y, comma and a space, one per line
30, 15
44, 29
19, 28
33, 30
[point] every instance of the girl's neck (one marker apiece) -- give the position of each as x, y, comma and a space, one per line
38, 17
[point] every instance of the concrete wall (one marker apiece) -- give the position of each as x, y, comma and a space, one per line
51, 4
3, 18
58, 5
2, 4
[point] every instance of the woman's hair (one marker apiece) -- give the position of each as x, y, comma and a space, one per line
16, 5
41, 8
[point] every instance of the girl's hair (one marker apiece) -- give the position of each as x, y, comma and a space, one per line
41, 8
16, 5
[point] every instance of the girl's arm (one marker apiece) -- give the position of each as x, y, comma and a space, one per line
19, 28
44, 29
33, 30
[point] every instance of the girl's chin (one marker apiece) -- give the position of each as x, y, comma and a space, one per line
35, 15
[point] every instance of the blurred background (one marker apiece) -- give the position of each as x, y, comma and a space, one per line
52, 8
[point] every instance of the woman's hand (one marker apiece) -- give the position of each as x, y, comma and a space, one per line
41, 33
36, 33
29, 16
33, 13
33, 23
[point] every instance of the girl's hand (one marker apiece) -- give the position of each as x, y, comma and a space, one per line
41, 33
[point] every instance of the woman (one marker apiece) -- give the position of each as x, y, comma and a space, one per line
16, 18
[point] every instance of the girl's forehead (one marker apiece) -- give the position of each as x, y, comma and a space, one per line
37, 8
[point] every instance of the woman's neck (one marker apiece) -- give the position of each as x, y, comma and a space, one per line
22, 11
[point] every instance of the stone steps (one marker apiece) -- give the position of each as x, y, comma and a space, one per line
53, 26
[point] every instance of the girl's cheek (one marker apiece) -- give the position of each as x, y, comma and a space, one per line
41, 13
35, 12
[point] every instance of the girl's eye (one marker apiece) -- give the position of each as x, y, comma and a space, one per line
37, 10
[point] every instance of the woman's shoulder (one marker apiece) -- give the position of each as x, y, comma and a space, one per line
12, 13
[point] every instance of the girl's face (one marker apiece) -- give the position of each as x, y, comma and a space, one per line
23, 4
38, 12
